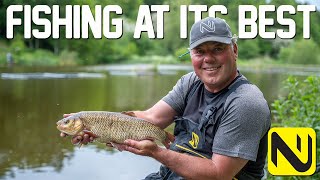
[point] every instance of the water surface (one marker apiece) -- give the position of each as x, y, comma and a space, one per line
32, 100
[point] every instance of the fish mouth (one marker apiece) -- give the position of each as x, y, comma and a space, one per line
58, 123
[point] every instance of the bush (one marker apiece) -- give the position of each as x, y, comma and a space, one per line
301, 52
37, 58
300, 108
180, 52
248, 49
3, 59
17, 45
68, 58
3, 53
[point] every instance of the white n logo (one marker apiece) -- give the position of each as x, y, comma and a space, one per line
208, 27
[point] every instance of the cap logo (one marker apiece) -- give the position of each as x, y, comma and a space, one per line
209, 27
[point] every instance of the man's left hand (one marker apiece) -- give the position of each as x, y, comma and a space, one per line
143, 148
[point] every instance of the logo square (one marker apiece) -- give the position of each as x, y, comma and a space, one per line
291, 151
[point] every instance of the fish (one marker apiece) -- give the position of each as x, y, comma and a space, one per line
112, 127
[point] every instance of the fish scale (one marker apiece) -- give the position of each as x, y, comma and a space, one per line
111, 126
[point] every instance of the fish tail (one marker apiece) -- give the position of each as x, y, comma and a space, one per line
169, 139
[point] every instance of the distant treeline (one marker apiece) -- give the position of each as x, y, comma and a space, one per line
64, 51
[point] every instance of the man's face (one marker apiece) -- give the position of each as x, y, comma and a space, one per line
215, 64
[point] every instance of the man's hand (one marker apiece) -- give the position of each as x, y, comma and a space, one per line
143, 148
82, 137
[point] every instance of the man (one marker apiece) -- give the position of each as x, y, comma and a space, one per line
221, 120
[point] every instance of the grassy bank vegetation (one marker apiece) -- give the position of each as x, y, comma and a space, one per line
299, 108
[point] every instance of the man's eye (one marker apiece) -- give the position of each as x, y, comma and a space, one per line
218, 49
198, 52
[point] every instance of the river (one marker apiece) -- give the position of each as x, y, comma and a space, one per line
33, 99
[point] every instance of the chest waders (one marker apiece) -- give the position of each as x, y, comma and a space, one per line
194, 134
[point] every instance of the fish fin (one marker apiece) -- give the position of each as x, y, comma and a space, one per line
79, 144
150, 138
169, 139
116, 146
129, 113
90, 133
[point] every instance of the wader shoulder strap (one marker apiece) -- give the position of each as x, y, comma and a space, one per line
192, 90
212, 107
236, 85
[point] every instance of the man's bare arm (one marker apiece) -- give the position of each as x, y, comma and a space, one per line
161, 114
220, 167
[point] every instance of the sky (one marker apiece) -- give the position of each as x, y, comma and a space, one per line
312, 2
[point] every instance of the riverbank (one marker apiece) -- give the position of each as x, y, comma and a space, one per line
164, 69
148, 65
269, 65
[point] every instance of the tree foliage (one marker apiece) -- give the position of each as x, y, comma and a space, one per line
95, 51
301, 52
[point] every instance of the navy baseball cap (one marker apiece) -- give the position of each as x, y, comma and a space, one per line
209, 29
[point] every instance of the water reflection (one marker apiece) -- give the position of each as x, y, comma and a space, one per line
47, 75
31, 143
31, 147
88, 163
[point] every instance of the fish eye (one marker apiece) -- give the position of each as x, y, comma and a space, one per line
66, 121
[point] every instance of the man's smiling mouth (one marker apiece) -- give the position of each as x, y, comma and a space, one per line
212, 68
